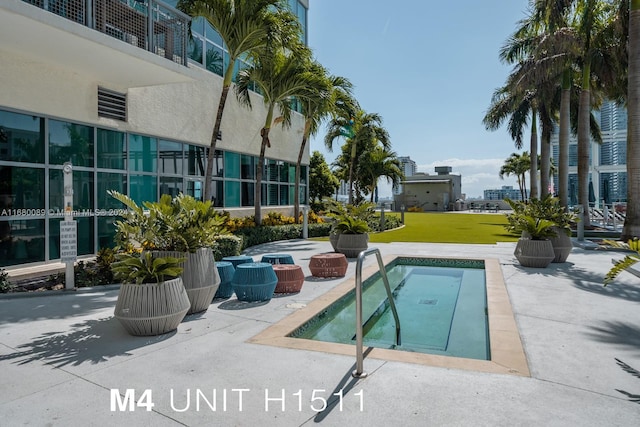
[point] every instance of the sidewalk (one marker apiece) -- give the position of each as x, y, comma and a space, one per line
66, 361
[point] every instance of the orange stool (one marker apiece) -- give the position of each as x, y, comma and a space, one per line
328, 265
290, 278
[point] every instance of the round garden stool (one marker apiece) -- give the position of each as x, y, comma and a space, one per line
226, 271
237, 260
254, 281
290, 278
328, 265
277, 259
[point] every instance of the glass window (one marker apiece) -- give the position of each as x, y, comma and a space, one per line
284, 171
217, 193
106, 231
272, 171
110, 181
195, 189
248, 193
85, 244
21, 188
170, 185
69, 142
196, 160
232, 164
82, 191
143, 153
573, 155
21, 241
303, 174
212, 34
232, 194
143, 188
171, 158
248, 167
195, 49
292, 174
21, 138
272, 195
112, 149
284, 194
215, 59
303, 195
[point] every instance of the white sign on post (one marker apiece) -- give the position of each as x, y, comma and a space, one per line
68, 241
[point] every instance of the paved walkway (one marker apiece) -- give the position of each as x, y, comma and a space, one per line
62, 355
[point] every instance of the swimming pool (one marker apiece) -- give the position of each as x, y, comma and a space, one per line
504, 346
442, 310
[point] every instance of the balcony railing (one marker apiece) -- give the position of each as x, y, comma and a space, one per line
148, 24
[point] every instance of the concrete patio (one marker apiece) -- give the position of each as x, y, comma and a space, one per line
63, 354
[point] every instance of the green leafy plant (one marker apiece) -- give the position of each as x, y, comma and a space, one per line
227, 245
350, 219
627, 261
5, 284
547, 208
351, 225
530, 227
181, 224
139, 268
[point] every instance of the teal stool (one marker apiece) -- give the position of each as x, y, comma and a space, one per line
254, 281
277, 259
237, 260
226, 271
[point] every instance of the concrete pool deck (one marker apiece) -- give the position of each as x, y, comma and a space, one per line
63, 355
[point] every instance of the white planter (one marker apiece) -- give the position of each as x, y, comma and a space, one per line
200, 276
152, 308
534, 253
352, 244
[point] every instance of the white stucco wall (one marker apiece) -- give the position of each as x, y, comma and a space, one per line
177, 111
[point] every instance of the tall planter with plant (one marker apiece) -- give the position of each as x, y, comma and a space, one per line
180, 227
350, 229
152, 298
534, 249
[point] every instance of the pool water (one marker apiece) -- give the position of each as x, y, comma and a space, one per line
442, 310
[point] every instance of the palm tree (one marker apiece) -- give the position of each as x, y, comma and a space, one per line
243, 25
315, 108
632, 221
518, 165
377, 163
360, 130
280, 76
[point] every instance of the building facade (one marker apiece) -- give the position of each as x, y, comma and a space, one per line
409, 168
120, 90
507, 191
607, 168
437, 193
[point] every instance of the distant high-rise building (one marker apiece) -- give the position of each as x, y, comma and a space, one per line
507, 191
409, 168
607, 163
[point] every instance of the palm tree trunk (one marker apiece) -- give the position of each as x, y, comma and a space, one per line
584, 115
226, 85
296, 196
632, 222
533, 172
545, 159
351, 167
563, 141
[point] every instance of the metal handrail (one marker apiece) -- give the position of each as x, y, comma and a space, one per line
359, 371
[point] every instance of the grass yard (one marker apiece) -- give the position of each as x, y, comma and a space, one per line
448, 228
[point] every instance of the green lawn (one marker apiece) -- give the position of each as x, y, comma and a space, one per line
448, 228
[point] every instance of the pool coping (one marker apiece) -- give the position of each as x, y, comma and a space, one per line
507, 352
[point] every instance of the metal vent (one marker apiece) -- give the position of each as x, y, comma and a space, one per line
112, 105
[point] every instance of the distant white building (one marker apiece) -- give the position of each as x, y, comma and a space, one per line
507, 191
409, 168
439, 192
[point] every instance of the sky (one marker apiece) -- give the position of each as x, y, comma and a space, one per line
429, 69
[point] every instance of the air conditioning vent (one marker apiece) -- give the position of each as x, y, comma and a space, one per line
111, 104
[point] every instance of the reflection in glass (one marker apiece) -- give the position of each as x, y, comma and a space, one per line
170, 185
112, 149
70, 142
21, 188
82, 191
195, 189
214, 59
195, 49
272, 194
21, 241
248, 193
143, 153
196, 160
248, 167
217, 193
21, 137
232, 194
171, 158
232, 164
284, 194
143, 188
106, 231
110, 181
